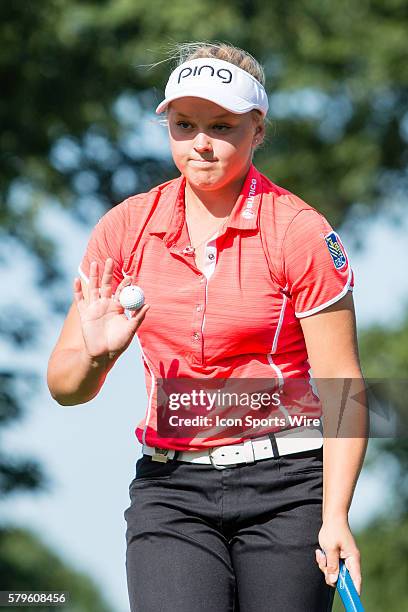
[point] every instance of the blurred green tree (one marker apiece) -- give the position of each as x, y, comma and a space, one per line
27, 564
384, 550
384, 353
384, 542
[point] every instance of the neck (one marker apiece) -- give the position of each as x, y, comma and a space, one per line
219, 202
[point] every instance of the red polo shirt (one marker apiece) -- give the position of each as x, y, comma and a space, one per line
276, 260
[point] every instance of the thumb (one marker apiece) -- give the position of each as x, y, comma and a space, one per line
352, 563
137, 317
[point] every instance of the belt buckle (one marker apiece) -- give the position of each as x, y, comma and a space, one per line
248, 453
213, 461
160, 454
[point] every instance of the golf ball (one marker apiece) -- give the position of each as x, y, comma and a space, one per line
131, 297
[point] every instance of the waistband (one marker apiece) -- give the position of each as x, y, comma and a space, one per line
285, 442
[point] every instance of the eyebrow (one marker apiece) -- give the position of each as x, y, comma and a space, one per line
214, 117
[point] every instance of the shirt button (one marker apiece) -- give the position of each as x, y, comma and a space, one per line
196, 336
211, 256
199, 307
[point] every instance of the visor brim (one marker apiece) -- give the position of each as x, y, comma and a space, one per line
234, 104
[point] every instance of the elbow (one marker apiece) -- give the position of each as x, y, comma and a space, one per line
68, 384
67, 399
337, 373
58, 394
63, 400
53, 387
59, 397
343, 366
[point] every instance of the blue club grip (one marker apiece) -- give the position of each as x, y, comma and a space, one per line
347, 590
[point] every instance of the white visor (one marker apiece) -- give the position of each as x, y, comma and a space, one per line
218, 81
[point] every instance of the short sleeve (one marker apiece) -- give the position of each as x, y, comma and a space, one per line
316, 265
106, 240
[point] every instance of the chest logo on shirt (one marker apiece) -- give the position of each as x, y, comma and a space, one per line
337, 254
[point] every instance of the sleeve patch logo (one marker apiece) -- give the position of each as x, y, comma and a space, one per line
337, 254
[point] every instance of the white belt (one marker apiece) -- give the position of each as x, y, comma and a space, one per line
288, 442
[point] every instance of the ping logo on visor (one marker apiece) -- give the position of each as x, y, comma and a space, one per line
224, 74
337, 254
218, 81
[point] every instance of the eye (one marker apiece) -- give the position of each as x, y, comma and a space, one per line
221, 127
183, 124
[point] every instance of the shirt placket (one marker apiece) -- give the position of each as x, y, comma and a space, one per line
197, 294
201, 308
198, 318
181, 250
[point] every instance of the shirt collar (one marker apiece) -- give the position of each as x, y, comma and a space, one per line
244, 215
170, 214
170, 208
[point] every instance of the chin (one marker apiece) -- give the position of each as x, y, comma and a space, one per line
207, 177
205, 180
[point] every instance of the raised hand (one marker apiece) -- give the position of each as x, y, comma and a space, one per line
106, 330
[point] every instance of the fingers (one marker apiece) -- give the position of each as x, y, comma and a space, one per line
126, 281
332, 566
93, 282
321, 560
106, 282
329, 565
105, 289
77, 288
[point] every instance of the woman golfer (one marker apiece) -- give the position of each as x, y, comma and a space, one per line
243, 281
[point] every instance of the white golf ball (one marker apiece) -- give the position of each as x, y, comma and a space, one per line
131, 297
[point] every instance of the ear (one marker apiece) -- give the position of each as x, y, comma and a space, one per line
259, 125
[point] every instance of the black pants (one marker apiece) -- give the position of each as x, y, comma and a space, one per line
240, 539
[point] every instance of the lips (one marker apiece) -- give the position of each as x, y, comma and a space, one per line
203, 161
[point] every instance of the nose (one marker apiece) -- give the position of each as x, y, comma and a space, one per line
202, 142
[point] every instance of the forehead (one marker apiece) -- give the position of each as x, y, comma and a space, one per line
190, 106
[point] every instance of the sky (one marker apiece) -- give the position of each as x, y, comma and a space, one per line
90, 451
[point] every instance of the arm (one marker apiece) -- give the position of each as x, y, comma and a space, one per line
331, 342
95, 333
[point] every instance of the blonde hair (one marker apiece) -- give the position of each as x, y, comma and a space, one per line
192, 50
